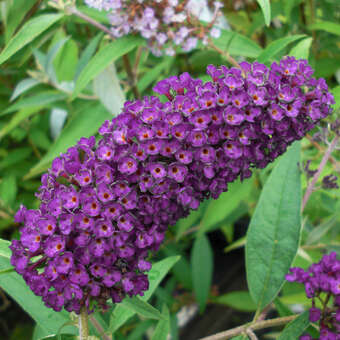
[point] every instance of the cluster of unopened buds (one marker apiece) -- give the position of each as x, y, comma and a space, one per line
328, 181
164, 23
105, 205
322, 282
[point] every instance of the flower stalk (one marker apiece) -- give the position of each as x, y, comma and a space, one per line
224, 54
323, 163
250, 327
99, 328
83, 324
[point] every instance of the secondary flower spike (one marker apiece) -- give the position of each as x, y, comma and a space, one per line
104, 206
322, 282
164, 23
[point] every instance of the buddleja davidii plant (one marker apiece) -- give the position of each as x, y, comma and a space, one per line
213, 123
105, 205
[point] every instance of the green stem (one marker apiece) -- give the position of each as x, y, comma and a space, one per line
131, 76
324, 305
324, 160
224, 54
251, 335
83, 324
99, 328
257, 314
250, 327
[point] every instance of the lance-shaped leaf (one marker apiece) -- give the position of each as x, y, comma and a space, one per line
104, 58
265, 7
301, 49
274, 231
202, 269
163, 326
276, 46
137, 305
107, 87
295, 328
27, 33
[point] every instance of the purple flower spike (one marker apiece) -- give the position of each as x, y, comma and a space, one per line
164, 24
155, 162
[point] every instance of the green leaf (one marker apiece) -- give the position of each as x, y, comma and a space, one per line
136, 305
88, 53
66, 71
274, 231
158, 271
185, 223
27, 33
297, 298
49, 60
218, 210
227, 226
265, 7
336, 93
15, 156
107, 87
288, 5
40, 59
163, 327
181, 270
14, 285
202, 269
8, 189
104, 58
61, 337
5, 271
84, 124
237, 44
296, 327
237, 244
327, 26
228, 232
140, 329
151, 75
4, 250
17, 119
239, 300
39, 100
23, 86
301, 49
17, 12
39, 138
276, 46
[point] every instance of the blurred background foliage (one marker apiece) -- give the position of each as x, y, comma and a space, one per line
67, 80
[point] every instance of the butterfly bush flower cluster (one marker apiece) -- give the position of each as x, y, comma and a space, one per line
164, 23
322, 282
105, 205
